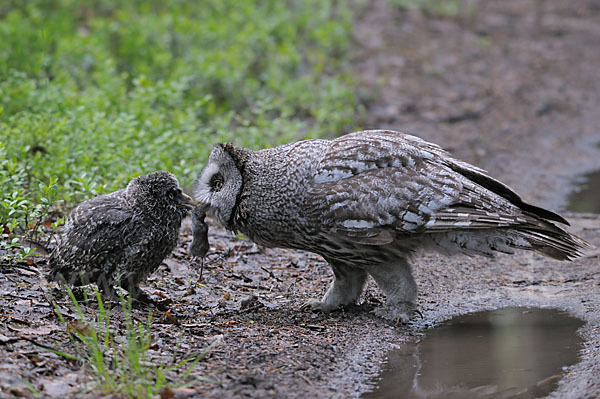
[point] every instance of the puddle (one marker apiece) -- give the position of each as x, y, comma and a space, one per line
586, 198
505, 353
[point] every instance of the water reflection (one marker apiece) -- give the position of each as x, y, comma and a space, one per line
586, 198
506, 353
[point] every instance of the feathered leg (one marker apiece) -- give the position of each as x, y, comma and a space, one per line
396, 281
345, 289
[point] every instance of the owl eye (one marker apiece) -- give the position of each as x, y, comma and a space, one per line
216, 182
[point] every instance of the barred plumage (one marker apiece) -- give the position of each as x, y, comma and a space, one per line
367, 202
118, 239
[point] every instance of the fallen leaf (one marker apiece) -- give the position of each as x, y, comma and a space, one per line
80, 327
5, 340
40, 330
168, 318
166, 393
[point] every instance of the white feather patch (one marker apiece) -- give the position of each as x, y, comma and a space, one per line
357, 224
412, 218
202, 191
332, 175
462, 223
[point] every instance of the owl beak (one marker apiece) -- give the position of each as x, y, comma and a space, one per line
187, 201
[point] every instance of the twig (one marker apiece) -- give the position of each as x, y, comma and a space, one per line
25, 267
19, 296
15, 319
252, 308
271, 274
229, 313
47, 347
305, 378
314, 327
192, 325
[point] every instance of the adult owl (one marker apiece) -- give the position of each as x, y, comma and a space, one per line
118, 239
367, 202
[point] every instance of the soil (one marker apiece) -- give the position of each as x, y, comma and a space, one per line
511, 86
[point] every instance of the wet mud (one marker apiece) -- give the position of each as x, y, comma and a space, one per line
503, 353
586, 196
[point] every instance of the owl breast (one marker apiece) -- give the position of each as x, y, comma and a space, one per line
276, 183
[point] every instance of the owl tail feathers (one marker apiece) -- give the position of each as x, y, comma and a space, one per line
554, 242
540, 236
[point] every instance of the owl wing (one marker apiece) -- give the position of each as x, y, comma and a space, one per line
97, 228
374, 186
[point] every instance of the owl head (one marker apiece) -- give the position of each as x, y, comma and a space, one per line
158, 194
220, 183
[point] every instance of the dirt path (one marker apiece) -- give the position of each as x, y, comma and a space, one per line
511, 87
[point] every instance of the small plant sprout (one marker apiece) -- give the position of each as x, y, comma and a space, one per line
121, 361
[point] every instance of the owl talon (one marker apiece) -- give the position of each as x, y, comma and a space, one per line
144, 301
399, 313
318, 306
417, 311
312, 304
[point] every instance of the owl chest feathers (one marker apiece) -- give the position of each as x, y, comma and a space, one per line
277, 181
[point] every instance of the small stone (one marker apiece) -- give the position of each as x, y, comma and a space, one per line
248, 302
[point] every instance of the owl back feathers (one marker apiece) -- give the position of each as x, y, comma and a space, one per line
377, 187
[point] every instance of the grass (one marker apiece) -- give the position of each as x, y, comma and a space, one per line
437, 8
95, 92
120, 361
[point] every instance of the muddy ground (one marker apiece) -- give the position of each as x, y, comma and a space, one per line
511, 86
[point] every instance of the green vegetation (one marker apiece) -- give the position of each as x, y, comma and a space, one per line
438, 8
95, 92
121, 364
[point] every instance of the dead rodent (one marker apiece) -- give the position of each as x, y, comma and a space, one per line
199, 246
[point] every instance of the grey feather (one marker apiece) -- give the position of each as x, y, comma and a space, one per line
118, 239
367, 202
